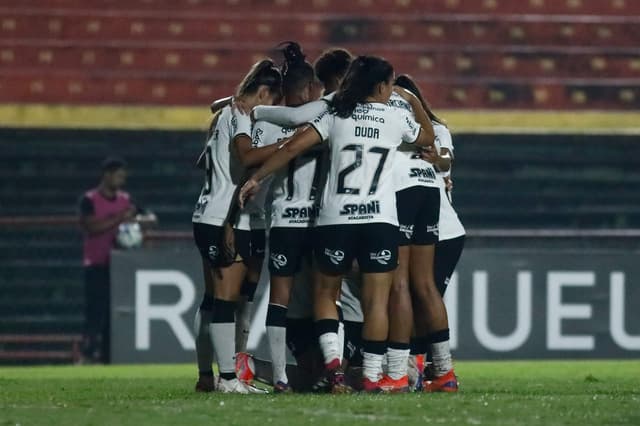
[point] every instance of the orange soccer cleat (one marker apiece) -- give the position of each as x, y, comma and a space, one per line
390, 385
446, 383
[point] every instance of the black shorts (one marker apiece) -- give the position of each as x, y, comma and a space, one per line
301, 336
209, 240
287, 248
418, 215
445, 261
374, 245
258, 243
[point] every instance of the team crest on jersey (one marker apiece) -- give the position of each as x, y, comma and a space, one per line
407, 230
336, 256
278, 260
382, 257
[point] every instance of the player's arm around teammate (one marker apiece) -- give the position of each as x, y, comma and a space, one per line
355, 222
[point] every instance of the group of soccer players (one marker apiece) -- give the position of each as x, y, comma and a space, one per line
351, 178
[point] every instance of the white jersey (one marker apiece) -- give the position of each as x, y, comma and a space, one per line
360, 186
409, 168
287, 116
450, 226
443, 140
295, 190
224, 169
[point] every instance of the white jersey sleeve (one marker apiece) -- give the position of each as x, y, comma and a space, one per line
323, 123
240, 124
290, 116
409, 168
410, 130
443, 137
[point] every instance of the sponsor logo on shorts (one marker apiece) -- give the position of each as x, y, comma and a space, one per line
433, 229
213, 252
382, 257
278, 260
336, 256
407, 230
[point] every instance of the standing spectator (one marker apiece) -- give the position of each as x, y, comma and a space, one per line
102, 210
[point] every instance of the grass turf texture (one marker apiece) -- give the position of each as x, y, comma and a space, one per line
505, 393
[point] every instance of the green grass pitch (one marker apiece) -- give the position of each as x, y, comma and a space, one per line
500, 393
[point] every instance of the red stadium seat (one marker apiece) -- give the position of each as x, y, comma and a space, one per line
183, 51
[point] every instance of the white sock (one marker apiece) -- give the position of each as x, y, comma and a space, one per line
278, 347
243, 323
441, 355
204, 347
397, 363
223, 336
372, 366
341, 340
330, 347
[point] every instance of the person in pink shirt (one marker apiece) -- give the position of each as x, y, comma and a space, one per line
102, 209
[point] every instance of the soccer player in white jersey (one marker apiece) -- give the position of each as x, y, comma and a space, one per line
430, 314
227, 154
294, 198
358, 217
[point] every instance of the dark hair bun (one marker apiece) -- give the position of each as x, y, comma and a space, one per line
293, 55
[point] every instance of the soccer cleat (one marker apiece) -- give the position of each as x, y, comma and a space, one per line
232, 386
390, 385
446, 383
245, 368
206, 384
371, 387
281, 387
332, 381
415, 370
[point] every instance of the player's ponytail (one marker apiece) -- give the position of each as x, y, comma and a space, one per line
296, 71
405, 81
364, 74
263, 73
